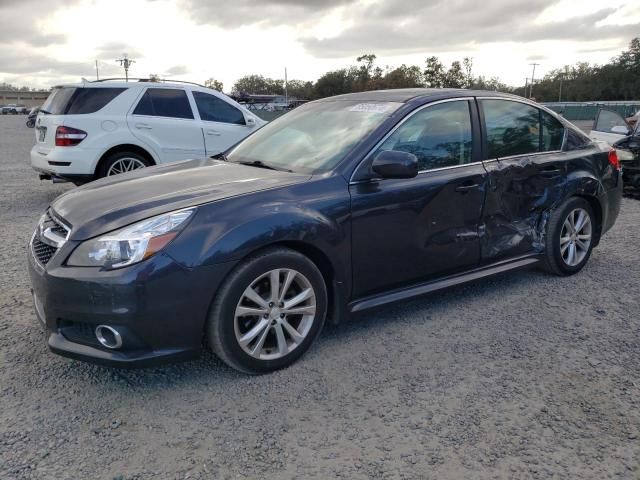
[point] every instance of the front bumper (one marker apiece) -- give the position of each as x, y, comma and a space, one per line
159, 307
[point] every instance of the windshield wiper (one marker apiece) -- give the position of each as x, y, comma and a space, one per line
260, 164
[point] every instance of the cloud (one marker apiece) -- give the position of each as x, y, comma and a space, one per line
113, 50
177, 70
19, 24
412, 26
237, 13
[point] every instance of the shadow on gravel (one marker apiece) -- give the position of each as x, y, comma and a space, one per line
209, 372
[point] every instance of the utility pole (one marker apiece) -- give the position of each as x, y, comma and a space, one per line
286, 96
526, 85
126, 63
97, 72
533, 73
560, 92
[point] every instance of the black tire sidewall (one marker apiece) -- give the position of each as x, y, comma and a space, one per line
104, 167
556, 231
222, 316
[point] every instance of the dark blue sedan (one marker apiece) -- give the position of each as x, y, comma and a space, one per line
341, 205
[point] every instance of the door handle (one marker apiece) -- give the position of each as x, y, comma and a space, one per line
214, 133
143, 126
465, 187
550, 171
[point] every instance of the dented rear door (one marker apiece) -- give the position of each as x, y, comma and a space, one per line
526, 177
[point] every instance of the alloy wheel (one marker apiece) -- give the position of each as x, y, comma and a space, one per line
275, 314
575, 237
126, 164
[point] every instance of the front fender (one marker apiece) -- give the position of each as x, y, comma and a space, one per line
315, 214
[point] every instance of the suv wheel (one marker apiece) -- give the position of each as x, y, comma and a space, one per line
121, 162
570, 237
268, 312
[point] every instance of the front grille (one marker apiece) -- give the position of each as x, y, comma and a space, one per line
50, 234
42, 251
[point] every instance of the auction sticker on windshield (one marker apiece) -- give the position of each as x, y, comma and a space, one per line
370, 107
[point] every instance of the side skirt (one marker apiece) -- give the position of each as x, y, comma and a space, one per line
432, 286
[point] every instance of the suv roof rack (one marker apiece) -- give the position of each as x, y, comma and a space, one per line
159, 80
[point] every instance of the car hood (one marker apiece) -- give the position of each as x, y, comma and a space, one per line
114, 202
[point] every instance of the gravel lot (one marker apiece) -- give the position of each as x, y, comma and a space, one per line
519, 376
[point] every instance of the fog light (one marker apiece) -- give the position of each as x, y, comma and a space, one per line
108, 337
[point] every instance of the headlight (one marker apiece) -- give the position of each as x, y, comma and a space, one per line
624, 155
131, 244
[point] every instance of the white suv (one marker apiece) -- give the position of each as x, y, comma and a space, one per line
96, 129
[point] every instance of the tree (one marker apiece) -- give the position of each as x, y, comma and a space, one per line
334, 83
402, 77
214, 84
434, 73
257, 84
455, 78
300, 89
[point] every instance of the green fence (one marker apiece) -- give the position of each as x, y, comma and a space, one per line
588, 110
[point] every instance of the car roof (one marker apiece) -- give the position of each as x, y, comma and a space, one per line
405, 95
123, 84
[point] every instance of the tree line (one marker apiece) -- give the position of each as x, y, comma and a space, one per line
619, 79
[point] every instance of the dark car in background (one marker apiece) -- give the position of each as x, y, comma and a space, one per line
31, 118
341, 205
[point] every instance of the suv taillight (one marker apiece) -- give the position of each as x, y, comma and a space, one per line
68, 137
613, 159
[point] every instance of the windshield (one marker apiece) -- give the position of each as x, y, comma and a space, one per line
313, 138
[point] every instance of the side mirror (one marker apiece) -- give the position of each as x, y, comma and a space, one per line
395, 164
620, 130
249, 121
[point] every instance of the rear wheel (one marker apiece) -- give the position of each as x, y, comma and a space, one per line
268, 312
122, 162
570, 237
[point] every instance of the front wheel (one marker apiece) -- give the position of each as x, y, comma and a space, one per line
570, 238
268, 312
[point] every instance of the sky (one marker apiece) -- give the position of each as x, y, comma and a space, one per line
47, 42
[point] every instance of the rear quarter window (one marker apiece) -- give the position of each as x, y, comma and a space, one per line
90, 100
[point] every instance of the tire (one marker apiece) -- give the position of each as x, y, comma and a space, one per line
561, 239
110, 164
231, 315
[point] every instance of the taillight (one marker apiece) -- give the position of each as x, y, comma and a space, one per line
613, 159
68, 137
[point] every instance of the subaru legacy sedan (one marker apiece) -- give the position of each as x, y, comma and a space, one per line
341, 205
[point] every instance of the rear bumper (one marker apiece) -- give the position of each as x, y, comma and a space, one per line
158, 306
611, 201
65, 161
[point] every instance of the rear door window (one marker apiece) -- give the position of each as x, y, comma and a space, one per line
164, 102
214, 109
513, 128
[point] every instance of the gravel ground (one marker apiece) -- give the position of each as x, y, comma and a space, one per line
524, 375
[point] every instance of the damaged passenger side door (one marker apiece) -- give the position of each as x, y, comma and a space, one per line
527, 171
